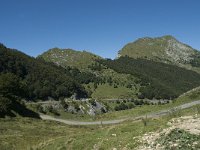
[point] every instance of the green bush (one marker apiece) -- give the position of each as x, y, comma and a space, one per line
121, 106
92, 102
64, 104
198, 109
131, 105
40, 108
5, 105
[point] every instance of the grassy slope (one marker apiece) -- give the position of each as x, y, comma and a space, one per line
145, 47
155, 48
69, 57
106, 91
24, 133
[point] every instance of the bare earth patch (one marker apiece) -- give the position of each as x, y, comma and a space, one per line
190, 124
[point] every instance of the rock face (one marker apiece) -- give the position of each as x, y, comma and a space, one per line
178, 52
166, 49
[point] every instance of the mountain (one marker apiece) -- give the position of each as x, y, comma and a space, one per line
101, 82
69, 57
165, 49
153, 73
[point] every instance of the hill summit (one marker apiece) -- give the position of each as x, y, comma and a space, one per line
69, 57
165, 49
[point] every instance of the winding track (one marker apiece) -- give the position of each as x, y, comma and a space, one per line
150, 115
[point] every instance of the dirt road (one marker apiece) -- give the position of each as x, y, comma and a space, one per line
150, 115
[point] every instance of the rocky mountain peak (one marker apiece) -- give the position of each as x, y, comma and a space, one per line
165, 49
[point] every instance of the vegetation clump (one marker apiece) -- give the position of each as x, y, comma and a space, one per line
179, 139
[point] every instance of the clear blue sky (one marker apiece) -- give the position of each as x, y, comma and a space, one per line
99, 26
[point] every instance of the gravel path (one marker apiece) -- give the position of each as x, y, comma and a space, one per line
150, 115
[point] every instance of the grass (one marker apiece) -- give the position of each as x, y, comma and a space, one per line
143, 47
145, 109
26, 133
69, 57
125, 135
105, 91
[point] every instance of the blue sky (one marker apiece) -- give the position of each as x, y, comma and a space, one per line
99, 26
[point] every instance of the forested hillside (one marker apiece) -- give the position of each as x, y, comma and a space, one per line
158, 80
24, 77
40, 79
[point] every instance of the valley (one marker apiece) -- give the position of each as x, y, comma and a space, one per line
69, 99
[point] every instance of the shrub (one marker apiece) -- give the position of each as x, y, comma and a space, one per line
40, 108
92, 102
131, 105
198, 109
64, 104
121, 106
76, 106
103, 110
145, 120
5, 104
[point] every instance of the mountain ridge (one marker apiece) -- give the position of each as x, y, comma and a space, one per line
165, 49
69, 57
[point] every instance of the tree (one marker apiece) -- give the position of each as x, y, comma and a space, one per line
5, 105
95, 85
10, 85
